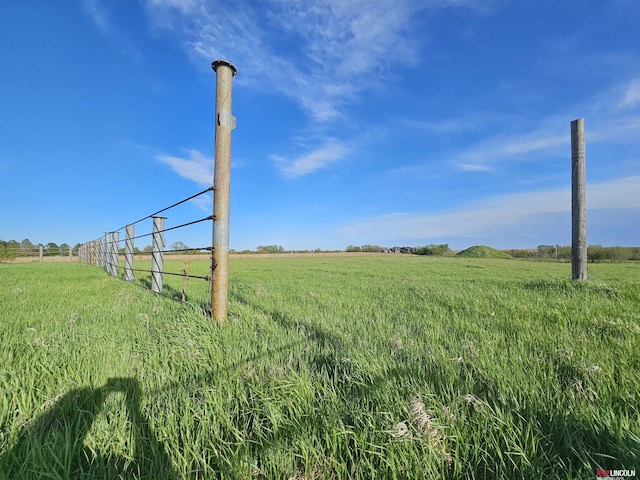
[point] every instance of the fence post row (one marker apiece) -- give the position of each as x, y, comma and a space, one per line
157, 257
225, 123
104, 250
128, 254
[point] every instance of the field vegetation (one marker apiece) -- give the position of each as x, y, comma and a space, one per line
328, 368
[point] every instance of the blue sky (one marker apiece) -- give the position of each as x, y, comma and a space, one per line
390, 122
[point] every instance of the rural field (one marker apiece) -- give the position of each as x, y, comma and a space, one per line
363, 367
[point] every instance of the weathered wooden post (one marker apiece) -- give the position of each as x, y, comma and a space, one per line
128, 254
41, 250
157, 257
225, 123
578, 202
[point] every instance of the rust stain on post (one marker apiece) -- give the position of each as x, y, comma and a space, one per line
578, 202
225, 123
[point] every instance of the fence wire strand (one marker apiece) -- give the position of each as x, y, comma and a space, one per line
208, 189
100, 251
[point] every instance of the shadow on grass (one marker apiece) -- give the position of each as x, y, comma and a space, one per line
52, 446
566, 445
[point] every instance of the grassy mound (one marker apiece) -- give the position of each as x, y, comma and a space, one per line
482, 251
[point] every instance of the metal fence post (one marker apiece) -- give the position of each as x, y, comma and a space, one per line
128, 254
115, 238
225, 123
103, 248
157, 257
578, 202
107, 253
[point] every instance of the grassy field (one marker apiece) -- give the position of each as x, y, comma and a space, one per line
395, 367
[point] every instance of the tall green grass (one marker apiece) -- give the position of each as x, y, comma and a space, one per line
331, 367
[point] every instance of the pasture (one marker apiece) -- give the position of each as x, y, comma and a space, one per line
328, 368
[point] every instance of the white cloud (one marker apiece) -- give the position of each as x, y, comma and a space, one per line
482, 156
631, 95
197, 167
337, 48
511, 212
474, 167
204, 202
310, 162
97, 13
101, 16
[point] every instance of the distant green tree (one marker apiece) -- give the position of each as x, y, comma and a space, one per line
178, 245
353, 248
7, 252
433, 249
596, 253
372, 248
52, 249
269, 249
27, 247
545, 251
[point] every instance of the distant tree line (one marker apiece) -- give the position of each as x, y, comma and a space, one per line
262, 249
12, 249
442, 249
367, 248
595, 253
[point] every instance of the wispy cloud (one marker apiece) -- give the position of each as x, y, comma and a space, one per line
484, 155
551, 138
502, 211
337, 48
98, 14
631, 96
197, 167
331, 152
101, 16
204, 202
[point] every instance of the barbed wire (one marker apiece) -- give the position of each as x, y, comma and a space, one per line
208, 189
105, 249
176, 250
207, 277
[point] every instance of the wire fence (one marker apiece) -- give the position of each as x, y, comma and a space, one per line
43, 253
105, 251
108, 250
